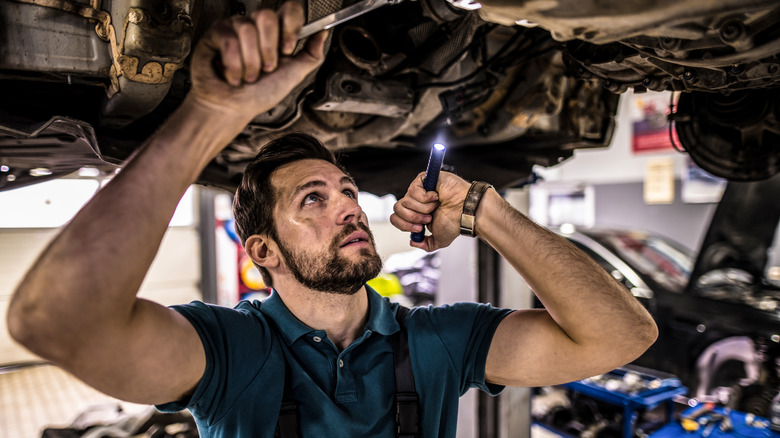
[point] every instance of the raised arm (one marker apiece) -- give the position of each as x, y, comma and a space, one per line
77, 305
591, 323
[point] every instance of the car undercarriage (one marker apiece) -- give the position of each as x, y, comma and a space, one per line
507, 85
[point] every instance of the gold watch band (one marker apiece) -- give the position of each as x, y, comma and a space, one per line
468, 217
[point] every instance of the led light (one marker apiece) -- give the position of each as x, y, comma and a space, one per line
568, 228
4, 168
89, 172
468, 5
526, 23
439, 146
40, 171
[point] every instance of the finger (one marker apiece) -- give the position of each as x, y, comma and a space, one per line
296, 69
423, 196
248, 45
405, 226
221, 45
417, 190
413, 216
291, 17
425, 208
267, 22
230, 54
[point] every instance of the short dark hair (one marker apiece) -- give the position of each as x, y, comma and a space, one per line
254, 201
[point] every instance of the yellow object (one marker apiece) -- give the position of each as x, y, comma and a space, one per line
250, 275
689, 425
386, 285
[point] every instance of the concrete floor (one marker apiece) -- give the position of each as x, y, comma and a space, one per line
38, 396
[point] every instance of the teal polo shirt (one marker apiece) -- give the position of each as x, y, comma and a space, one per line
347, 393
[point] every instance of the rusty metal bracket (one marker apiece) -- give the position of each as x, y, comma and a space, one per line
122, 65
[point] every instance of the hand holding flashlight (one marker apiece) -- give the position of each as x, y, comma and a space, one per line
431, 178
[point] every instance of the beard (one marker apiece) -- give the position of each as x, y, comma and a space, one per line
328, 271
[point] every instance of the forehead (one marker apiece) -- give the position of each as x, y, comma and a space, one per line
287, 178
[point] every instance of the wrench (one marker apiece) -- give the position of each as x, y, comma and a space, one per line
325, 23
342, 16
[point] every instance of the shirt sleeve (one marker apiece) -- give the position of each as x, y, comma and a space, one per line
466, 331
231, 362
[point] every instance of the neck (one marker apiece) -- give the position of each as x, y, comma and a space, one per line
343, 317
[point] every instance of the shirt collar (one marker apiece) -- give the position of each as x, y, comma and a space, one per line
381, 316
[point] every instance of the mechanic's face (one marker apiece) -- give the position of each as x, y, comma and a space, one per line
323, 233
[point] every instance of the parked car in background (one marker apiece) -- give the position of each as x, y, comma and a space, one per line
718, 312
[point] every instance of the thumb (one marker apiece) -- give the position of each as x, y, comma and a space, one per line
293, 70
428, 243
316, 44
314, 49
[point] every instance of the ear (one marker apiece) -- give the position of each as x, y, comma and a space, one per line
262, 251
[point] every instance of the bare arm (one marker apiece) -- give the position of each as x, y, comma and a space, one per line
591, 324
77, 305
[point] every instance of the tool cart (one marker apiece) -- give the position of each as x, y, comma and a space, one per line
628, 391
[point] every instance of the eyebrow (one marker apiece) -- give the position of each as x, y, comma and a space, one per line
345, 180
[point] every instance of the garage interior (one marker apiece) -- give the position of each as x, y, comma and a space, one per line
607, 128
617, 187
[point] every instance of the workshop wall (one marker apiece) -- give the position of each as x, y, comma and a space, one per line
173, 278
613, 181
622, 206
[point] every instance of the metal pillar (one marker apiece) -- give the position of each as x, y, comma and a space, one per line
208, 244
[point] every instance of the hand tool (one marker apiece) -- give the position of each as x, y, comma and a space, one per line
431, 178
689, 422
725, 424
708, 429
343, 15
325, 23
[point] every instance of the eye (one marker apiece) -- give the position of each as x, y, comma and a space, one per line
310, 199
351, 193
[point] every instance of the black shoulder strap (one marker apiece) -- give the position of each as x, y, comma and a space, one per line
287, 426
406, 407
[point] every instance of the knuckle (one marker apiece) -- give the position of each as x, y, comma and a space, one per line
220, 26
221, 32
268, 50
264, 16
245, 28
291, 7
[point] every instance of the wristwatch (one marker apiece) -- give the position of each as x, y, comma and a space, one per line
468, 217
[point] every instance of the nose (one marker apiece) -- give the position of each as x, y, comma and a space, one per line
349, 210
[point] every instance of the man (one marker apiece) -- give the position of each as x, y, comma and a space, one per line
322, 328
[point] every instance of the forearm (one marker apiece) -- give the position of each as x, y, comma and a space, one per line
89, 275
581, 297
591, 324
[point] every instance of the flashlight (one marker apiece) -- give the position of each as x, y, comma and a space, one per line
431, 178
